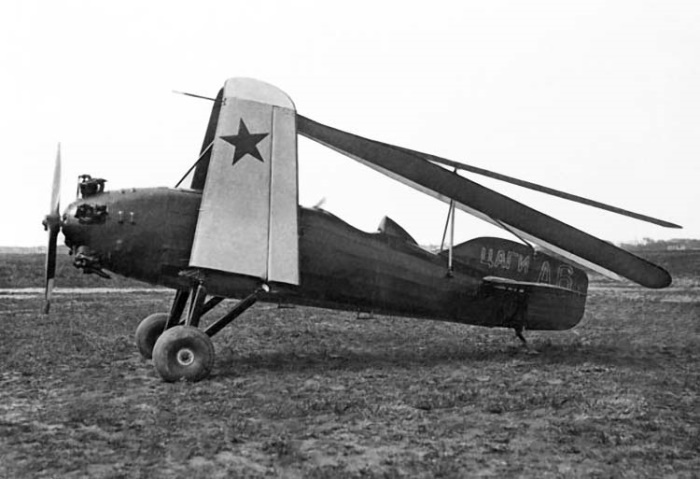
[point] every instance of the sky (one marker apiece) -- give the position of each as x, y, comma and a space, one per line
597, 98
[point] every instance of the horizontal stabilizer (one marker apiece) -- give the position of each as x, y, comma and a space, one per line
509, 260
414, 170
543, 307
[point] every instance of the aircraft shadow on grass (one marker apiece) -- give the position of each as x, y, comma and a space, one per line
592, 356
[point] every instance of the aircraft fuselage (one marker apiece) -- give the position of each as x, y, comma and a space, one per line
147, 234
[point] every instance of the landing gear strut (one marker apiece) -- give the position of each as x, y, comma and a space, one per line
180, 350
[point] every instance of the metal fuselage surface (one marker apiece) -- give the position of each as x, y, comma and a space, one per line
147, 234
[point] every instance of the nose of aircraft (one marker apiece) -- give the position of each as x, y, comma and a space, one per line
82, 221
73, 231
74, 222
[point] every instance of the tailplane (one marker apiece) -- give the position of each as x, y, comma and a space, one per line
533, 290
502, 258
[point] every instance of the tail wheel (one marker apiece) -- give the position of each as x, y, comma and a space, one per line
148, 332
183, 352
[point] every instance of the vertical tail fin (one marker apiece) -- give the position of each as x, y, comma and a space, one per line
248, 218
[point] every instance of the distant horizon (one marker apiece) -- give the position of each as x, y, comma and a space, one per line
643, 241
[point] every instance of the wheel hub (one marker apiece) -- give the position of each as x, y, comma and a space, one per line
185, 357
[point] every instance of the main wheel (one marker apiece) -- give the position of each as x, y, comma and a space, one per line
148, 332
183, 352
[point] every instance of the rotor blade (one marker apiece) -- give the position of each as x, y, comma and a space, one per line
542, 189
50, 267
552, 234
195, 96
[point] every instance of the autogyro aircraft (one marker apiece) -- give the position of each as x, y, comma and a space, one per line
238, 232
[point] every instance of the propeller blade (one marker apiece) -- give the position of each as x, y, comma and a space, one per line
56, 185
553, 235
52, 223
542, 189
50, 268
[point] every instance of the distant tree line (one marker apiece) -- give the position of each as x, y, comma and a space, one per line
648, 244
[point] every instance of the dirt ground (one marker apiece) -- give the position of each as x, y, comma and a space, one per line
303, 392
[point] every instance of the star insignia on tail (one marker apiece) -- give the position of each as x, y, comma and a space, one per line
245, 142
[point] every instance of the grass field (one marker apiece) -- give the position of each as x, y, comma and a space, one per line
312, 393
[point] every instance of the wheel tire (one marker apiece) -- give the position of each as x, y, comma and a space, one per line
148, 332
183, 352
